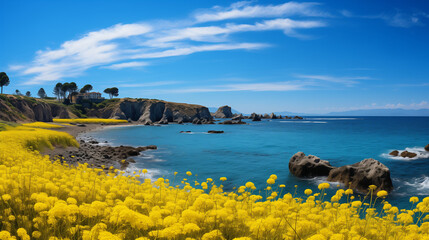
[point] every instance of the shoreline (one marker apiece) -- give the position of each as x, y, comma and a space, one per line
96, 154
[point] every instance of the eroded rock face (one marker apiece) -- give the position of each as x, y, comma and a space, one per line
223, 112
362, 174
154, 111
301, 165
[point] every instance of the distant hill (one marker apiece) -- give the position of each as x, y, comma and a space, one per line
214, 109
383, 112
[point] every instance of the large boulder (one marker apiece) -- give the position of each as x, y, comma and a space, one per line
427, 147
223, 112
362, 174
255, 117
308, 166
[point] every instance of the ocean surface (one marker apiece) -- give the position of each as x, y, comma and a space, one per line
255, 151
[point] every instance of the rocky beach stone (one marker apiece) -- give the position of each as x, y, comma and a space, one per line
309, 166
361, 175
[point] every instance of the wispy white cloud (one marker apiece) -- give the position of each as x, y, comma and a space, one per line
252, 87
244, 9
149, 84
126, 45
348, 81
126, 65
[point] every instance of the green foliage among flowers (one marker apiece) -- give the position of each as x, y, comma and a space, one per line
41, 199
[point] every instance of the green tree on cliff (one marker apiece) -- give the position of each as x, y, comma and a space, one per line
113, 92
4, 80
41, 93
86, 88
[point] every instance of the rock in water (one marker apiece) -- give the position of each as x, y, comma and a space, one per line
427, 147
362, 174
308, 166
394, 153
407, 154
223, 112
214, 131
238, 117
255, 117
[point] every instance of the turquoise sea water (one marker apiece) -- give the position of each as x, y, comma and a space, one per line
252, 152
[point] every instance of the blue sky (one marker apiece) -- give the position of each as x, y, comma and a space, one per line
262, 56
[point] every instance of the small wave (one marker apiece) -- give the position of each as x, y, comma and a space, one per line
152, 173
302, 122
421, 185
421, 154
318, 180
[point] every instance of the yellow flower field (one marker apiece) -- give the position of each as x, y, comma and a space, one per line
41, 199
89, 120
41, 125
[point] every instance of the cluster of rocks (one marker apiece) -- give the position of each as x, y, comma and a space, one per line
210, 131
357, 176
97, 155
225, 112
406, 154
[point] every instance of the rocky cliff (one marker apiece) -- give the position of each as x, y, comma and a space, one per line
23, 109
149, 111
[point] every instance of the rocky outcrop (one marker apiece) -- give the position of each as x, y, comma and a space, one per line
223, 112
406, 154
255, 117
272, 116
308, 166
363, 174
237, 117
148, 111
358, 176
20, 109
427, 147
229, 122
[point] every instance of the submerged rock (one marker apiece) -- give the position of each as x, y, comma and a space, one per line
214, 131
363, 174
308, 166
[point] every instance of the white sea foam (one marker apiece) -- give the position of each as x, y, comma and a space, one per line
152, 173
294, 121
421, 154
421, 185
318, 180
